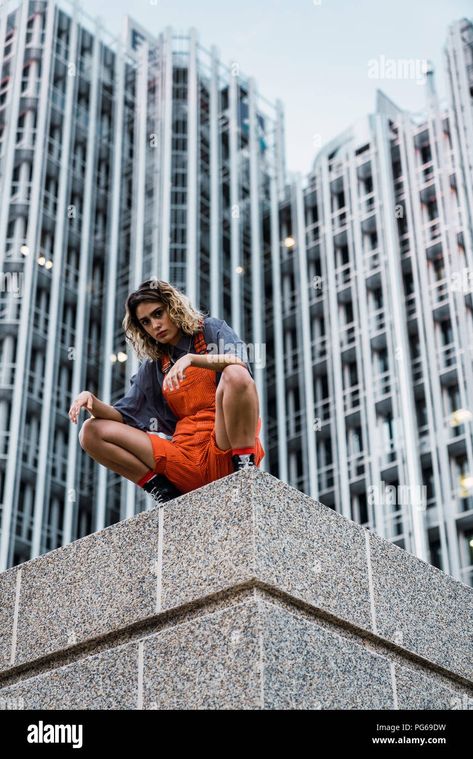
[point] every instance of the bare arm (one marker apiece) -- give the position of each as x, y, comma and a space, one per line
101, 410
95, 407
215, 362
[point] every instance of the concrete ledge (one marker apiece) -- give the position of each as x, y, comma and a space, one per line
242, 594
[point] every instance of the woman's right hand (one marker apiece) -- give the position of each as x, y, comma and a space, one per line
84, 399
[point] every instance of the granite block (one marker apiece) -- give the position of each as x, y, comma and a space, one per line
211, 662
207, 541
311, 630
108, 680
421, 608
309, 667
8, 581
89, 587
310, 551
257, 527
416, 690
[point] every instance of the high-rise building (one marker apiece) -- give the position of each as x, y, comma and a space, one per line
370, 411
459, 60
122, 159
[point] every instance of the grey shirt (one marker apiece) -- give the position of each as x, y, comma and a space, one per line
144, 406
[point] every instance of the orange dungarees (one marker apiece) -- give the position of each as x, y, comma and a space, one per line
192, 459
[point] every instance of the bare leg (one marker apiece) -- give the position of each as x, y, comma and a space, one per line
119, 447
237, 409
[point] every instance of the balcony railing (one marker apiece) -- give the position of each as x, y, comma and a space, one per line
382, 384
41, 321
319, 348
20, 192
7, 375
367, 203
446, 357
290, 303
325, 477
389, 455
25, 138
351, 398
439, 292
347, 335
356, 465
294, 424
431, 231
371, 260
343, 274
377, 320
292, 362
339, 219
322, 410
316, 294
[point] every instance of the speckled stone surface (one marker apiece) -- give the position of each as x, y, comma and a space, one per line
421, 608
260, 527
213, 662
207, 542
8, 582
423, 691
108, 680
241, 571
310, 551
256, 653
90, 587
307, 667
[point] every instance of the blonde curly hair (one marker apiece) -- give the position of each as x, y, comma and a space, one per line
181, 312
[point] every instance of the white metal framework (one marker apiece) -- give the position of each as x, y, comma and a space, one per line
386, 257
122, 159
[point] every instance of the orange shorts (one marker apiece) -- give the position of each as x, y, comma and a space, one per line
192, 458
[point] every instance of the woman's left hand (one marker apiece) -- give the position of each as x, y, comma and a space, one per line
176, 374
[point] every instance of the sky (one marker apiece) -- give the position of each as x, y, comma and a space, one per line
324, 59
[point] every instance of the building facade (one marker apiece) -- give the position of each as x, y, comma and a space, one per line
123, 159
371, 410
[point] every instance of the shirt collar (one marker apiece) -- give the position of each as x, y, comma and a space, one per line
183, 344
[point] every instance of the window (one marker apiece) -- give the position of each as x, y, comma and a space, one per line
446, 332
436, 554
439, 269
377, 296
382, 360
468, 537
432, 210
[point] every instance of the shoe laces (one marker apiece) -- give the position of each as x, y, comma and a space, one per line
244, 461
157, 495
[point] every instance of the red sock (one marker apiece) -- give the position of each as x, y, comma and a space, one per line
146, 478
238, 451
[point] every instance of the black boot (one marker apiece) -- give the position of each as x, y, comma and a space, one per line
163, 489
243, 461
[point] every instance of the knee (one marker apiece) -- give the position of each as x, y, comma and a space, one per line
237, 376
90, 432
